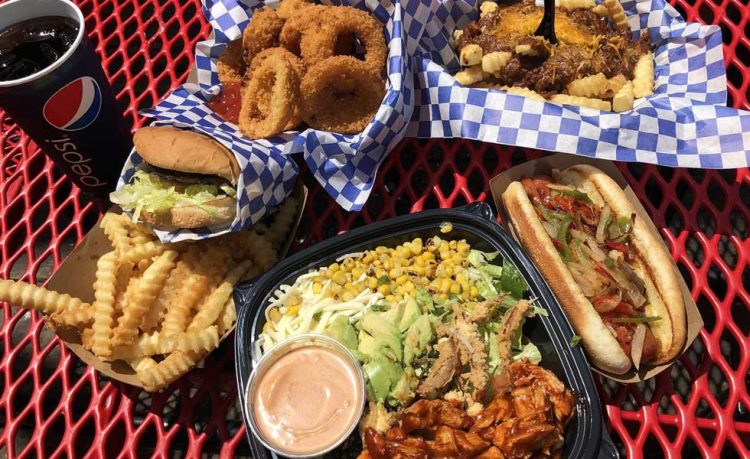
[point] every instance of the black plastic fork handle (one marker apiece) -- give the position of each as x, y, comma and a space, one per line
547, 27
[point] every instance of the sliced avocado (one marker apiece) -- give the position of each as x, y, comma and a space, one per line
371, 348
417, 338
411, 312
403, 392
343, 331
394, 314
383, 331
382, 375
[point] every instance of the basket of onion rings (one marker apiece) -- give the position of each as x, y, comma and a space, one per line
331, 82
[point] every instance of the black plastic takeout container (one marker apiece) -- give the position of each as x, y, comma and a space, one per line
585, 436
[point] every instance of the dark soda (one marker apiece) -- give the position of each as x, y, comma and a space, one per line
34, 44
53, 86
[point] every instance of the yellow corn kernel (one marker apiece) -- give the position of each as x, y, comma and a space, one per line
347, 296
418, 270
387, 265
416, 246
390, 298
403, 252
455, 288
384, 289
268, 327
395, 272
452, 244
339, 277
474, 292
335, 289
357, 272
409, 287
402, 279
372, 283
369, 258
381, 250
445, 285
274, 314
334, 267
292, 310
428, 256
443, 296
317, 287
463, 248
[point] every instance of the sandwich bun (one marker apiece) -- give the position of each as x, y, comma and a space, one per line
654, 265
185, 151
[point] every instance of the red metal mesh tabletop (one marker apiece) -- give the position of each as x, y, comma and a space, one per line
53, 405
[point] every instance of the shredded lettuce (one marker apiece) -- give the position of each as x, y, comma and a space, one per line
511, 280
529, 352
149, 192
424, 300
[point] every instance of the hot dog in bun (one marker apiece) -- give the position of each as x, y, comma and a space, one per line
189, 180
609, 270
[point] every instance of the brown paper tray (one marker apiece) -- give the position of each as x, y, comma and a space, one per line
76, 277
544, 166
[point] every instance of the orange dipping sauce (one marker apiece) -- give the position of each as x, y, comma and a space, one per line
308, 400
227, 103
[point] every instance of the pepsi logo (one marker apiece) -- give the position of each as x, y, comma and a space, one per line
74, 106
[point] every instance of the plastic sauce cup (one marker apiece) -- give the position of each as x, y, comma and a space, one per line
279, 379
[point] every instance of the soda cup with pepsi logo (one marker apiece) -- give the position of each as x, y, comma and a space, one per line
52, 85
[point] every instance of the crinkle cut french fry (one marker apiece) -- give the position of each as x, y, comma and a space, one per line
209, 310
28, 296
616, 13
80, 317
147, 288
105, 288
601, 11
153, 318
577, 4
643, 76
520, 91
148, 344
258, 249
589, 86
623, 100
115, 226
204, 340
597, 104
87, 338
143, 365
283, 221
227, 317
143, 251
168, 370
204, 270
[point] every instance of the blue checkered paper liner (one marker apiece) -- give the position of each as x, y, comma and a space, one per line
685, 123
345, 165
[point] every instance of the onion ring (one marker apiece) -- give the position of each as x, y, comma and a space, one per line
299, 68
231, 65
289, 9
309, 18
274, 85
261, 33
341, 94
341, 23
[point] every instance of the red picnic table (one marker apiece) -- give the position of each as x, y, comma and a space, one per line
53, 405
